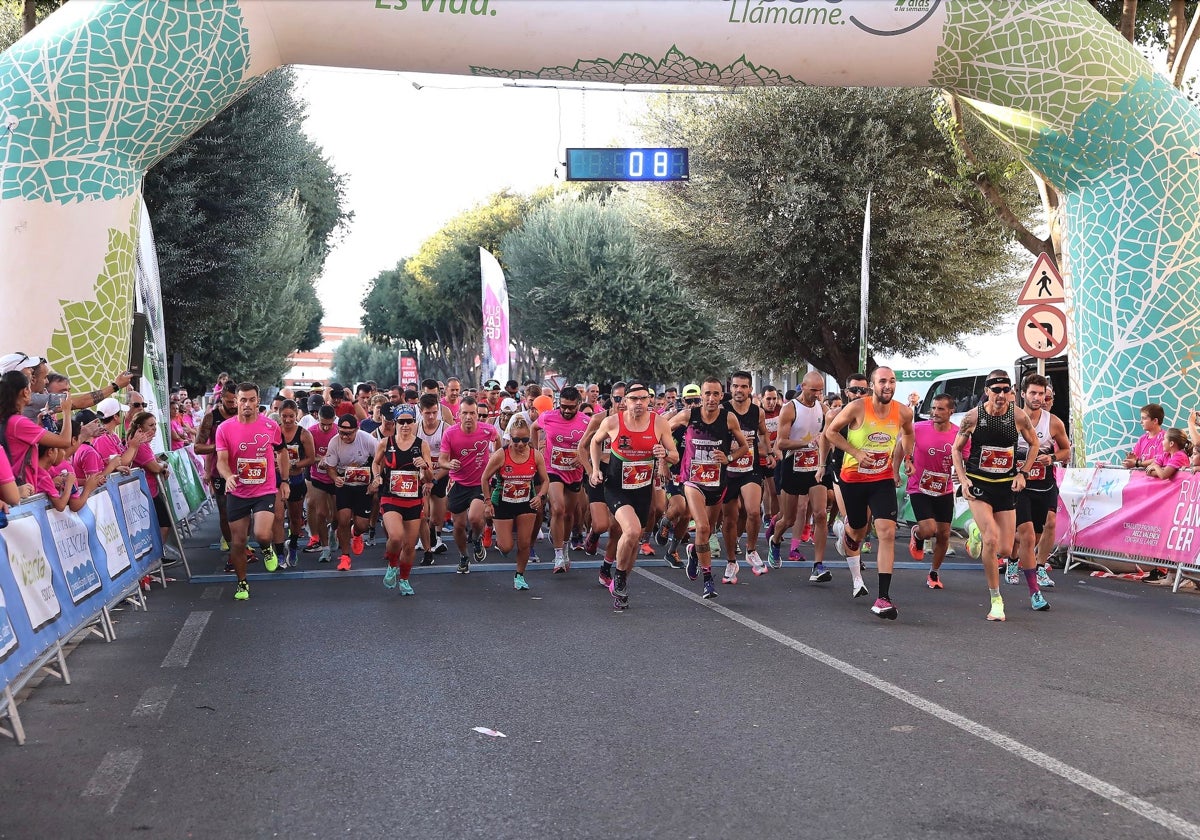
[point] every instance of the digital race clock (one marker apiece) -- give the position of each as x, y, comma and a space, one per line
627, 164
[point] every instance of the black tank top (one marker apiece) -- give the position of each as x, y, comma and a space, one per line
700, 440
993, 447
749, 425
399, 478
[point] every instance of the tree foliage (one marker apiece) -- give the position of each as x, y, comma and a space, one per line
356, 361
597, 303
769, 231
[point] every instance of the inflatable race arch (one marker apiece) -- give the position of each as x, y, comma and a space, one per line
103, 89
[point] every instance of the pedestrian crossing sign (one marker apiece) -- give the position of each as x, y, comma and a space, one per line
1044, 284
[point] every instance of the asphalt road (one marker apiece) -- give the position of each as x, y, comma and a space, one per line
332, 707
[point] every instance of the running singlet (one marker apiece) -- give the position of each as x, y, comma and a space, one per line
251, 447
400, 479
453, 409
561, 444
321, 439
772, 421
933, 460
472, 451
1041, 476
993, 455
631, 458
806, 430
295, 448
749, 425
218, 417
876, 437
700, 444
516, 479
434, 438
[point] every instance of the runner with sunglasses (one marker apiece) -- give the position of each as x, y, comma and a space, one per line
466, 448
516, 506
348, 462
302, 454
322, 510
402, 472
673, 527
597, 507
743, 500
989, 477
556, 437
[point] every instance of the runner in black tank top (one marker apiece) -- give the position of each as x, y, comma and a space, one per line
402, 471
743, 498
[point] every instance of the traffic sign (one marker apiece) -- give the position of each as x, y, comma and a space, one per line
1042, 331
1044, 284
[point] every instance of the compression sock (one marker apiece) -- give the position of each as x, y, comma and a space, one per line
885, 584
1031, 581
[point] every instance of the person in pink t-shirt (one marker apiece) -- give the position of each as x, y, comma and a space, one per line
250, 457
1176, 455
556, 434
9, 494
1150, 444
466, 448
19, 435
930, 488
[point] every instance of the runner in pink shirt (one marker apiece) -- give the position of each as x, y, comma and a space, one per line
452, 402
930, 488
557, 434
466, 448
250, 457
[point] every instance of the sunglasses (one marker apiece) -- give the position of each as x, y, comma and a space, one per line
857, 390
692, 401
407, 422
1000, 389
137, 405
520, 440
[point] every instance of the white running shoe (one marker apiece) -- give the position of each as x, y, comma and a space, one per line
839, 536
731, 572
756, 564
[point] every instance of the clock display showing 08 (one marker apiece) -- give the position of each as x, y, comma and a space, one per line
650, 164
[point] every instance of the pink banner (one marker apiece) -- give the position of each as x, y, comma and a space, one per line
1128, 512
495, 319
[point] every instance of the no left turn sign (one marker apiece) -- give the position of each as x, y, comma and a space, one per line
1042, 331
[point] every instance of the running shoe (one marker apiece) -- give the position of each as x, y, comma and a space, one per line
710, 591
293, 552
324, 558
229, 570
405, 588
439, 546
820, 574
860, 590
356, 544
884, 608
519, 582
731, 572
693, 562
714, 547
427, 558
533, 558
757, 566
770, 528
645, 550
344, 563
1043, 578
560, 565
487, 537
242, 592
620, 595
605, 577
370, 538
807, 534
673, 547
997, 611
591, 543
390, 576
314, 544
950, 552
270, 559
915, 549
251, 555
664, 531
577, 542
672, 558
933, 581
866, 547
224, 544
1012, 573
974, 541
480, 551
773, 560
737, 549
794, 555
464, 566
1038, 601
839, 537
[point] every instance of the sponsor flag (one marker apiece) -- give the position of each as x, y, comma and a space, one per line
494, 361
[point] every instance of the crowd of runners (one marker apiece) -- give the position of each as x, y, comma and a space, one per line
695, 472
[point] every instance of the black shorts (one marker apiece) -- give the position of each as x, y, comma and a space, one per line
713, 496
570, 487
879, 497
511, 510
160, 508
323, 487
639, 500
595, 493
998, 494
439, 487
238, 508
798, 483
407, 512
673, 487
355, 499
1035, 505
762, 470
299, 489
460, 497
938, 508
735, 481
218, 486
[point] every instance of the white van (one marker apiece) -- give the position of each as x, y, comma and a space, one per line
966, 386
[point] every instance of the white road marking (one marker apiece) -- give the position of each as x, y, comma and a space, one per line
113, 775
154, 702
1137, 805
180, 653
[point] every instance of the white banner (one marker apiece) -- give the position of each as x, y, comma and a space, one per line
74, 553
109, 532
495, 319
136, 506
865, 287
31, 569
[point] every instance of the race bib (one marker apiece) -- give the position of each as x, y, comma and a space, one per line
636, 474
404, 485
1037, 472
705, 475
806, 460
562, 458
515, 490
293, 450
996, 459
251, 471
934, 483
874, 463
746, 462
358, 476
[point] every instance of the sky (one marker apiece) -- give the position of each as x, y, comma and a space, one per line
418, 149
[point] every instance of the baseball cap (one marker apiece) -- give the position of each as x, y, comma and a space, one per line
509, 404
85, 416
19, 361
108, 408
491, 385
691, 390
